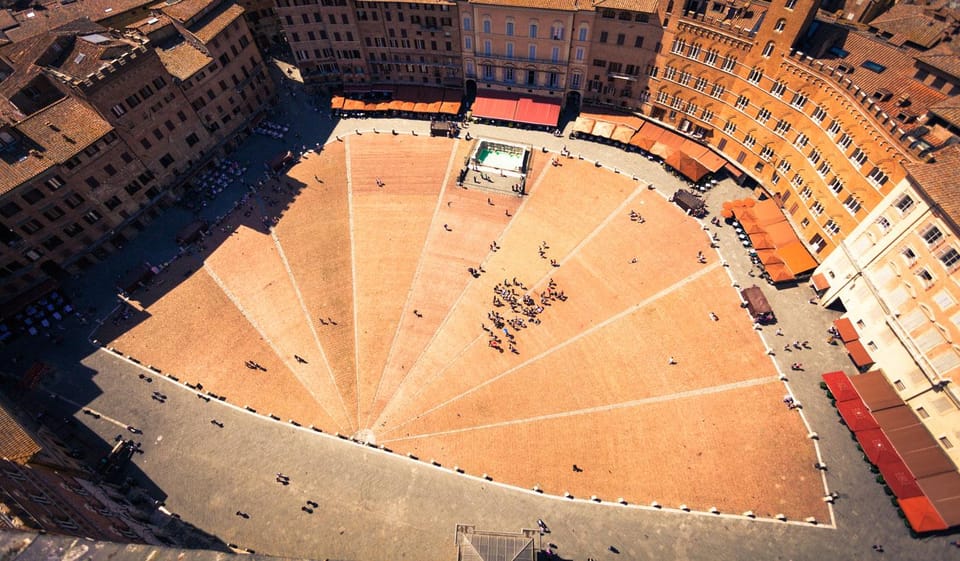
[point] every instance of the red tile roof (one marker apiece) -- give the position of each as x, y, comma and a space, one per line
33, 22
15, 444
183, 60
912, 23
208, 28
564, 5
938, 180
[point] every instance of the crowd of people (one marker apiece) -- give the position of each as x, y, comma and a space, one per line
525, 309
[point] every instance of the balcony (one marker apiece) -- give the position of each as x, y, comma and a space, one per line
521, 59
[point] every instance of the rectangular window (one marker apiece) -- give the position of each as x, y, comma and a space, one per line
932, 235
949, 258
819, 114
904, 205
92, 217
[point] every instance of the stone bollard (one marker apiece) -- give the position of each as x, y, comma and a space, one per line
622, 500
537, 489
595, 498
567, 495
781, 517
810, 520
655, 504
749, 514
684, 508
714, 510
813, 436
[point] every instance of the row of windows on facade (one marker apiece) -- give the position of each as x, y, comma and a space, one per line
843, 140
432, 22
508, 52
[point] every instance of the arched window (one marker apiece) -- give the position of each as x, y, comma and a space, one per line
556, 31
487, 26
509, 27
768, 50
467, 23
584, 32
781, 23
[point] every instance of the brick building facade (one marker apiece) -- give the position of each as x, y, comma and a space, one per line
100, 126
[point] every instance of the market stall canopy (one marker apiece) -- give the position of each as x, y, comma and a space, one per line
922, 514
538, 111
583, 125
876, 446
846, 330
875, 391
494, 105
603, 129
840, 386
856, 415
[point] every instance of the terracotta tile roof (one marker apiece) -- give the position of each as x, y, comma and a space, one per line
79, 126
15, 444
645, 6
183, 60
211, 26
185, 10
7, 20
57, 14
87, 57
948, 63
896, 75
911, 22
948, 110
938, 180
564, 5
444, 2
150, 24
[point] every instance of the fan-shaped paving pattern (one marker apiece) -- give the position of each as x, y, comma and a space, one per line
368, 286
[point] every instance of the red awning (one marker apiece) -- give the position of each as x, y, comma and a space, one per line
491, 105
859, 354
820, 282
856, 415
839, 385
922, 515
899, 479
537, 111
846, 330
877, 446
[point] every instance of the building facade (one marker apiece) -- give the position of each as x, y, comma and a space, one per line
101, 127
895, 275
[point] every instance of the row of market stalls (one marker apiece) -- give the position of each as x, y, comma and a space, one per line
763, 226
847, 333
408, 101
506, 107
687, 157
911, 461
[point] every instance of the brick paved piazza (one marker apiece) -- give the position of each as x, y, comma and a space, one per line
590, 385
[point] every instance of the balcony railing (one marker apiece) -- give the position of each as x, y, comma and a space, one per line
523, 59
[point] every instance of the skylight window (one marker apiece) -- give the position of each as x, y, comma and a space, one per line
874, 66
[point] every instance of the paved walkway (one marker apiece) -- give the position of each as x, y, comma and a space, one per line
372, 502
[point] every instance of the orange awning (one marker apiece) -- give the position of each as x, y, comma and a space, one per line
647, 136
761, 241
820, 282
336, 102
846, 330
922, 514
691, 168
859, 354
711, 161
768, 257
797, 257
778, 272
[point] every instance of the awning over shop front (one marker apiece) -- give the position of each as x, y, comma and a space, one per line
537, 111
603, 129
846, 330
875, 391
856, 415
820, 282
858, 353
495, 105
899, 478
876, 446
922, 514
583, 125
782, 253
839, 385
623, 134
